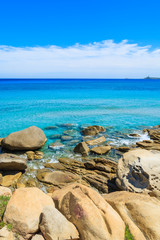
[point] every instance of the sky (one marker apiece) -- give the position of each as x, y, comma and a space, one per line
79, 38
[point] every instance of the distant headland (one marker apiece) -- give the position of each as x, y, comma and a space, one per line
148, 77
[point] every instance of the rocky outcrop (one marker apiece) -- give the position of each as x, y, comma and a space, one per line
141, 213
82, 148
101, 150
12, 162
55, 226
139, 171
94, 218
154, 134
57, 178
28, 139
149, 145
24, 209
93, 130
10, 180
96, 141
5, 234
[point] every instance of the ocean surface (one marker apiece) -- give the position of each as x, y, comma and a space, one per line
122, 105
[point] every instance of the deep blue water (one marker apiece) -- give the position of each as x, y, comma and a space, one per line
123, 104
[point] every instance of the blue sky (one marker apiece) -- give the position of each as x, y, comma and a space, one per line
34, 28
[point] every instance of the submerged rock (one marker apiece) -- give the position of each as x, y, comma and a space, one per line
93, 130
94, 218
139, 171
96, 141
55, 226
12, 162
82, 148
24, 209
28, 139
140, 213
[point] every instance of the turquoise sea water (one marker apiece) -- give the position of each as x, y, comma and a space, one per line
124, 104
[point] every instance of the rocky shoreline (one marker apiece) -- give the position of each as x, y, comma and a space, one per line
85, 195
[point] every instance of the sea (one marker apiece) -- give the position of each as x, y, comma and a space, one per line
123, 106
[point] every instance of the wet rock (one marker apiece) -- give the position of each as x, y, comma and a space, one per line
82, 148
55, 136
5, 191
38, 155
88, 211
149, 145
96, 141
71, 132
12, 162
93, 130
55, 226
139, 171
66, 138
56, 146
50, 128
135, 135
28, 139
141, 213
24, 209
124, 149
101, 150
57, 178
10, 180
30, 155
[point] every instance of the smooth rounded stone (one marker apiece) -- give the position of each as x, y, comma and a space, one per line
94, 218
5, 191
101, 150
135, 135
51, 128
55, 136
57, 178
56, 146
38, 237
124, 149
93, 130
139, 171
5, 234
10, 180
82, 148
28, 139
24, 209
12, 162
30, 155
66, 138
149, 145
55, 226
96, 141
141, 213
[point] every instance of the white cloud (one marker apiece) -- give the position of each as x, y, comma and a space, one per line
105, 59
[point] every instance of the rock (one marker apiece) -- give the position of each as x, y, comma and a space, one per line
5, 191
94, 218
57, 166
10, 180
50, 128
24, 209
68, 125
55, 136
90, 165
12, 162
101, 150
30, 155
56, 146
57, 178
93, 130
1, 141
154, 134
135, 135
149, 145
5, 234
139, 171
66, 138
124, 149
38, 237
38, 155
96, 141
28, 139
55, 226
82, 148
141, 213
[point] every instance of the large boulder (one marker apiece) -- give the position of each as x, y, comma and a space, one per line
28, 139
93, 130
55, 226
139, 171
94, 218
141, 213
12, 162
24, 209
